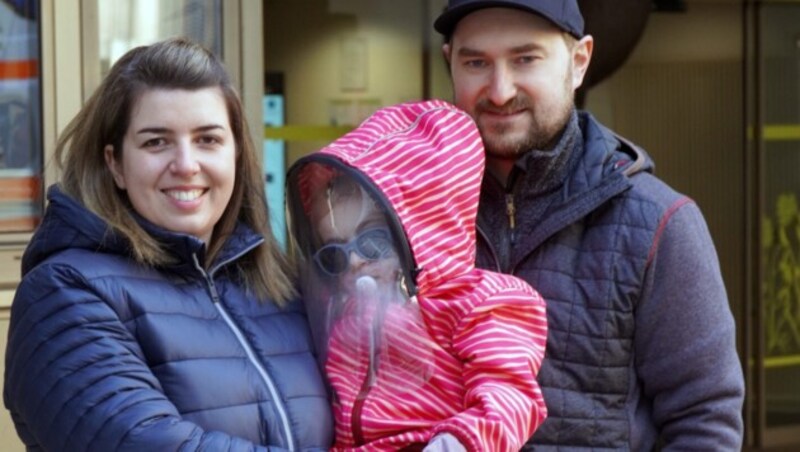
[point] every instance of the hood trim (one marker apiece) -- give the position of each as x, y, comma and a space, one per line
411, 271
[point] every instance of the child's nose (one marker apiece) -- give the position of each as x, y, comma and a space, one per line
355, 260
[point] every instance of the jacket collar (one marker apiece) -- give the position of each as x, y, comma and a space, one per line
596, 167
68, 224
540, 171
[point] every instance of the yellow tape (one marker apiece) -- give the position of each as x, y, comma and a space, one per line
782, 132
781, 361
305, 132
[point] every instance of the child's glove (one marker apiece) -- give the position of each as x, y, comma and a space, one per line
444, 442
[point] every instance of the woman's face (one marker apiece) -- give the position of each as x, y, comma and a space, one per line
350, 217
178, 161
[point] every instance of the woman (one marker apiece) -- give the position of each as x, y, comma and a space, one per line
154, 311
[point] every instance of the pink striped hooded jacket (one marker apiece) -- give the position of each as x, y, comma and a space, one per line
468, 342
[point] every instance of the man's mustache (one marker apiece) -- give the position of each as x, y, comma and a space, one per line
512, 106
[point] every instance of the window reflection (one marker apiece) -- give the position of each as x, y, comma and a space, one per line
20, 115
125, 24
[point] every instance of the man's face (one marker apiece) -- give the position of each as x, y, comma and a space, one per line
516, 75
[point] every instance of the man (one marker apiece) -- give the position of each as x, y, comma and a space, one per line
641, 346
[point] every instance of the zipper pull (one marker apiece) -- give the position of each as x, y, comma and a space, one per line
372, 365
212, 287
510, 211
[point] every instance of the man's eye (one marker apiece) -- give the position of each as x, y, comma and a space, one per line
475, 64
526, 59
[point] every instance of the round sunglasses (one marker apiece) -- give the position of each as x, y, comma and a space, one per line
372, 244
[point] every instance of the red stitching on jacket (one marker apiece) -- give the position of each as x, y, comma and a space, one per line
663, 224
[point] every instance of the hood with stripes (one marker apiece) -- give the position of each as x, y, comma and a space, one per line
423, 163
382, 219
414, 340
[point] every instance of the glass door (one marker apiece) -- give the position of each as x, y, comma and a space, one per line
775, 369
120, 25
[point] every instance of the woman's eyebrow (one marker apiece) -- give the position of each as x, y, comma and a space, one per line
162, 130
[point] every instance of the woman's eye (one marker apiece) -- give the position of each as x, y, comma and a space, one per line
154, 142
208, 139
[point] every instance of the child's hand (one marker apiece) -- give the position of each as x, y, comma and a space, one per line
444, 442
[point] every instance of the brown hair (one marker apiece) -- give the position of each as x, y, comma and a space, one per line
171, 64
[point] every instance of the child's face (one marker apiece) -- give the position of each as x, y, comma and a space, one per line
356, 242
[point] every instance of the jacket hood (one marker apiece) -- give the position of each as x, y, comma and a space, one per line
425, 161
613, 152
67, 224
606, 159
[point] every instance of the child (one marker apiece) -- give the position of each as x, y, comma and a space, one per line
421, 349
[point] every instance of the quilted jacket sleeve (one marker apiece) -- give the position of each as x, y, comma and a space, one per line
501, 343
75, 378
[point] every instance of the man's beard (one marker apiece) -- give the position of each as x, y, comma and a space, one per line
545, 128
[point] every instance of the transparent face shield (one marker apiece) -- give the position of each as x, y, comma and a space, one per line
370, 334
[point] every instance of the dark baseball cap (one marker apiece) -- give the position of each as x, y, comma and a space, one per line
565, 14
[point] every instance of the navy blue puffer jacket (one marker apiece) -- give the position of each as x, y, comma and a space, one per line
104, 354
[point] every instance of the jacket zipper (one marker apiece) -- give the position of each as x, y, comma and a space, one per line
511, 212
358, 406
490, 247
560, 219
251, 356
370, 378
